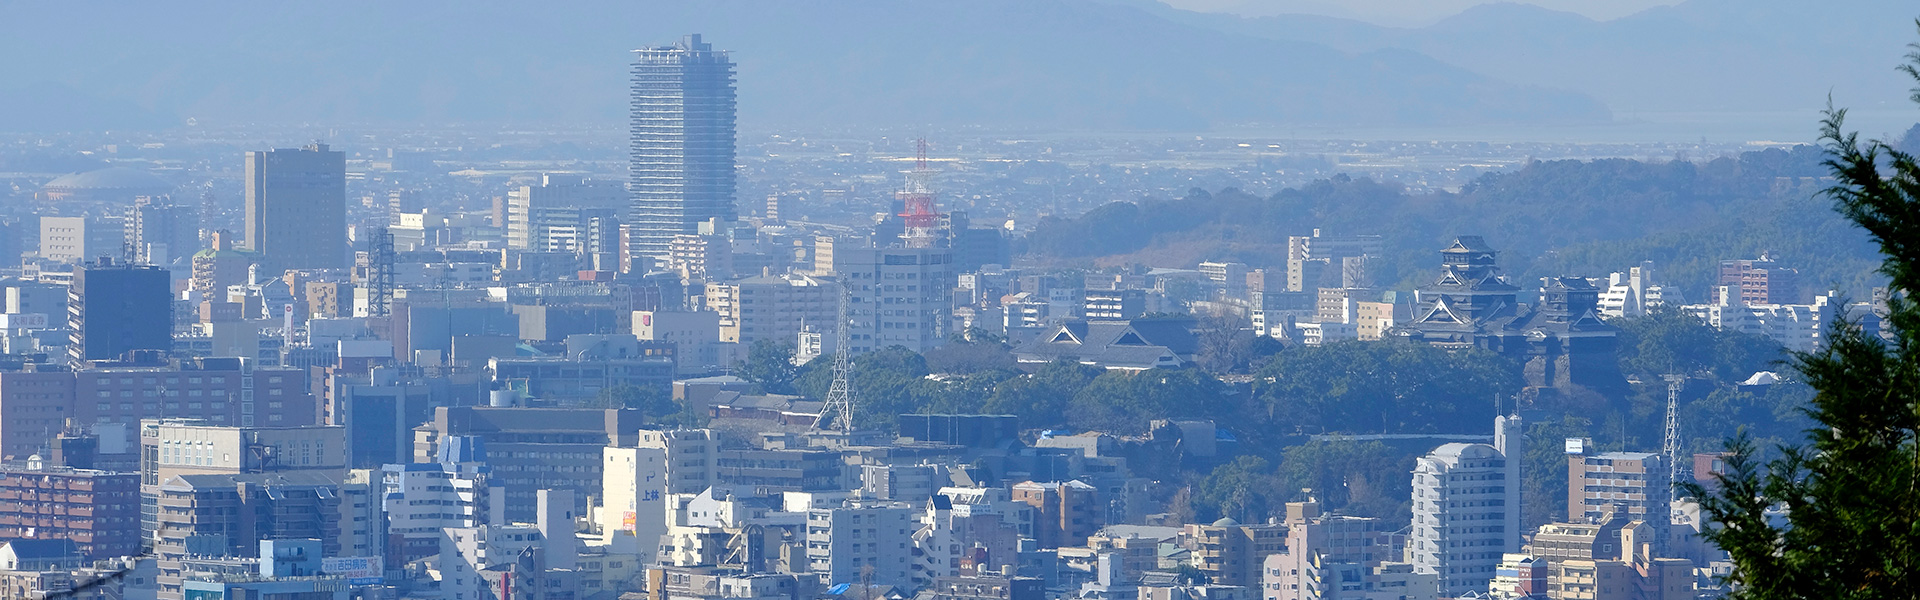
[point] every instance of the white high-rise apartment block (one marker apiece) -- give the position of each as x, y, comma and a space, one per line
692, 457
1466, 509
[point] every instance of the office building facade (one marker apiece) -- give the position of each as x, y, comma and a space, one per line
296, 213
80, 239
773, 307
160, 232
549, 215
899, 296
228, 515
533, 449
115, 308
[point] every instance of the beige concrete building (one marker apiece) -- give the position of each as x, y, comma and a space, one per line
772, 307
172, 448
1637, 482
80, 239
1372, 320
1337, 557
698, 257
1233, 554
296, 205
1634, 574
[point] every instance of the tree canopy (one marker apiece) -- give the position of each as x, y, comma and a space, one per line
1383, 387
1851, 495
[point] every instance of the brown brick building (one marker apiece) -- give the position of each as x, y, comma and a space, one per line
1064, 513
98, 510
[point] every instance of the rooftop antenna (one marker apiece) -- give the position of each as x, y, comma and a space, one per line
839, 405
916, 197
1672, 448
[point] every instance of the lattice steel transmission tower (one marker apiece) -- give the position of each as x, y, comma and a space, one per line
1672, 447
380, 260
838, 407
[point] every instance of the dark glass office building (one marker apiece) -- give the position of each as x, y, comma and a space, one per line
116, 308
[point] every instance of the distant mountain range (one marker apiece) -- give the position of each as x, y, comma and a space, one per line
1696, 56
1077, 64
1055, 63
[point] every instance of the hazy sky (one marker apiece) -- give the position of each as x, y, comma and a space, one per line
1406, 12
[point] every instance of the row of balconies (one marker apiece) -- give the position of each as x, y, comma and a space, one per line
47, 496
77, 510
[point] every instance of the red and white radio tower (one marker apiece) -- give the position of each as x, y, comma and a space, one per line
917, 197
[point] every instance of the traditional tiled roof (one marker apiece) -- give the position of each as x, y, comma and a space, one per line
1135, 344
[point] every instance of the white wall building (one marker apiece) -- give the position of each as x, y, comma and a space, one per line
1634, 293
633, 514
841, 542
467, 551
901, 296
424, 498
695, 336
692, 457
772, 307
1799, 327
1315, 334
950, 530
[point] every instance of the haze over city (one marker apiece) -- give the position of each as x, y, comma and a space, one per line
983, 300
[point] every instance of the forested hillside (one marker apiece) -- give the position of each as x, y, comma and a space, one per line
1548, 218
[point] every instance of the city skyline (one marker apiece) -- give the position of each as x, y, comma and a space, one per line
996, 300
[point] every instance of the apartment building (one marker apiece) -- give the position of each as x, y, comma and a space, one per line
98, 510
773, 307
862, 542
1466, 510
35, 404
1636, 484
